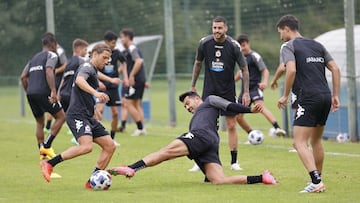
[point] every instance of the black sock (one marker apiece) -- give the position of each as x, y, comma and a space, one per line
276, 125
315, 177
233, 156
48, 124
254, 179
112, 134
48, 141
96, 169
55, 160
123, 124
249, 131
139, 125
138, 165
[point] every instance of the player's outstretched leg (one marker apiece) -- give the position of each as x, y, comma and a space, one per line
122, 170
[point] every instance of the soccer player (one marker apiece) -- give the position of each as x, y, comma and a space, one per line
305, 61
201, 143
79, 47
59, 70
116, 66
258, 79
137, 81
79, 52
79, 115
220, 53
38, 81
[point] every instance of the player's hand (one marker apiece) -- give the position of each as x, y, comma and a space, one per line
257, 108
115, 81
335, 103
53, 97
131, 81
126, 82
147, 85
262, 86
102, 97
282, 102
245, 100
102, 87
273, 85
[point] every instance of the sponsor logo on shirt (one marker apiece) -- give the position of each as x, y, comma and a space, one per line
312, 59
188, 136
36, 68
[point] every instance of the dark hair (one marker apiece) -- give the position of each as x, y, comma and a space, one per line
100, 48
242, 38
289, 21
189, 93
220, 19
48, 38
79, 43
110, 36
129, 32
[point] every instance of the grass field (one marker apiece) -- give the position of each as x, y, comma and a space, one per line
21, 179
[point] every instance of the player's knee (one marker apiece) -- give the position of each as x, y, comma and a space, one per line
86, 148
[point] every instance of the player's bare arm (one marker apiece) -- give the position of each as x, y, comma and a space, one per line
289, 80
279, 71
104, 77
265, 78
50, 78
245, 78
195, 75
134, 71
335, 70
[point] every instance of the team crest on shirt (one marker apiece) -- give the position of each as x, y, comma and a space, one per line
217, 53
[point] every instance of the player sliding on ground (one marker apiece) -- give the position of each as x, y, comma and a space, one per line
201, 143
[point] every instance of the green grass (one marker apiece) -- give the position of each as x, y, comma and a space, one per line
21, 179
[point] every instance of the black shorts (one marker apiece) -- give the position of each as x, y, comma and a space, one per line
255, 94
65, 101
203, 147
114, 97
80, 125
135, 92
312, 110
40, 104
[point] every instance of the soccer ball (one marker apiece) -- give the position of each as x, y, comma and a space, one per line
342, 137
256, 137
100, 180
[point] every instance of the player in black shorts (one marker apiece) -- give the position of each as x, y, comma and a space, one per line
59, 69
79, 47
38, 81
305, 61
113, 69
80, 115
220, 53
258, 78
201, 143
137, 80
